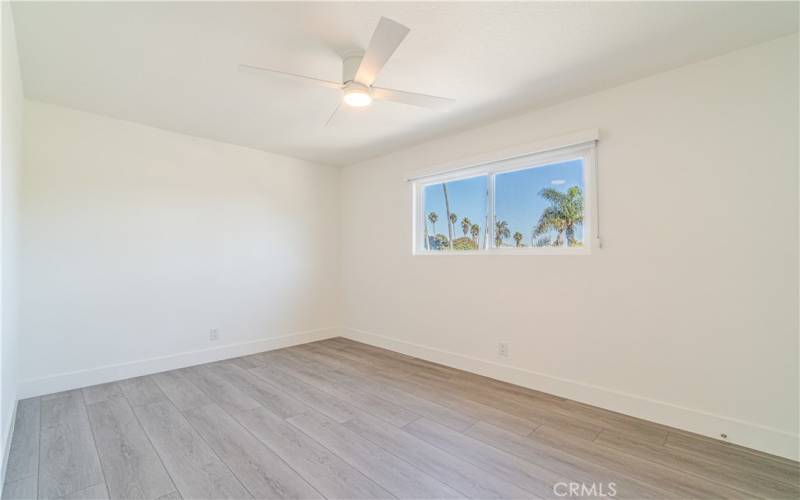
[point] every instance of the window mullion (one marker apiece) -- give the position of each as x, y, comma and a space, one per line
490, 215
421, 242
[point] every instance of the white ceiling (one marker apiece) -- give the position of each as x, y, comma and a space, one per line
174, 65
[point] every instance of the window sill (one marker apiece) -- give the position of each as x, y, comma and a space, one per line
506, 251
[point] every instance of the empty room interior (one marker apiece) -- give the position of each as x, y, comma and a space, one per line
417, 250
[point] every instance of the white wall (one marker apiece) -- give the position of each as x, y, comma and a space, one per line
688, 316
137, 241
11, 109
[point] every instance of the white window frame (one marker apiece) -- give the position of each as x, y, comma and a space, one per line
585, 151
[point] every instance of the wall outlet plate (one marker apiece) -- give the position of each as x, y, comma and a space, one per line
502, 349
213, 334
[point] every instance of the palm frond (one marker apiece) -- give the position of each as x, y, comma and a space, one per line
550, 220
554, 196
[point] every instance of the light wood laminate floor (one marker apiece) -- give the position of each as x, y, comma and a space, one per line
340, 419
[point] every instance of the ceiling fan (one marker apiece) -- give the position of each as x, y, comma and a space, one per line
360, 69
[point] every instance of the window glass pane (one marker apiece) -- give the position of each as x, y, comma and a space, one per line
465, 202
540, 207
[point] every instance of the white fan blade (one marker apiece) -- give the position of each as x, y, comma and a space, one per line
308, 79
385, 40
412, 98
330, 118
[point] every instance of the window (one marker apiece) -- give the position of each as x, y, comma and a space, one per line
455, 214
533, 204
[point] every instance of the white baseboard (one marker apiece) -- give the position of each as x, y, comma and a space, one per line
751, 435
110, 373
7, 444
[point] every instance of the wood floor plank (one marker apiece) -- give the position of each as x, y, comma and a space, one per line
451, 470
56, 407
443, 397
465, 405
346, 375
193, 466
527, 475
512, 410
247, 362
382, 408
677, 483
530, 409
226, 395
405, 360
575, 427
632, 427
504, 389
102, 392
393, 474
744, 479
259, 469
533, 409
455, 375
406, 364
560, 462
171, 496
137, 472
559, 414
68, 458
522, 404
57, 395
141, 391
371, 363
183, 394
307, 394
94, 492
329, 474
21, 489
500, 388
779, 469
269, 396
355, 359
23, 456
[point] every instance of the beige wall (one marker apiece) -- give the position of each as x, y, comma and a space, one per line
688, 315
137, 242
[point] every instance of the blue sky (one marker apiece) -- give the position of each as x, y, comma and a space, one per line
516, 197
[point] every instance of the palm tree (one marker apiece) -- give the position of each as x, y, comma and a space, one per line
449, 217
518, 238
453, 220
551, 220
465, 225
562, 216
544, 241
433, 217
475, 231
501, 232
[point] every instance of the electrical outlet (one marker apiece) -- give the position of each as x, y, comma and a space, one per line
213, 334
502, 349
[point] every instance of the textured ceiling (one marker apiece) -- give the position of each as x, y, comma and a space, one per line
174, 65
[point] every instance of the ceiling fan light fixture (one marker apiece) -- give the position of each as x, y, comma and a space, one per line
359, 71
357, 96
